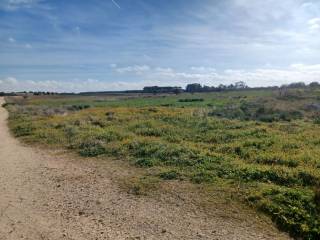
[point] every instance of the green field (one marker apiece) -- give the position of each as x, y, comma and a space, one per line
263, 144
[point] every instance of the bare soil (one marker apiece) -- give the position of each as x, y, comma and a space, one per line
50, 195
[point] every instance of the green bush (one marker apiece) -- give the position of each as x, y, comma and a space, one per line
203, 177
292, 210
316, 120
146, 162
279, 177
4, 105
23, 129
91, 148
275, 160
307, 179
148, 129
110, 135
170, 175
191, 100
70, 132
255, 111
165, 154
317, 197
78, 107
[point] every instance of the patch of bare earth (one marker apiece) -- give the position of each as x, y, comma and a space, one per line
50, 195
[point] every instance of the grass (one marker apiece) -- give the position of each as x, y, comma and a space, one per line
267, 145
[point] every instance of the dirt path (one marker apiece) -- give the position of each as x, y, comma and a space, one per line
48, 196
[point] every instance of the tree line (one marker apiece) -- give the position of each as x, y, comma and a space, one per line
197, 87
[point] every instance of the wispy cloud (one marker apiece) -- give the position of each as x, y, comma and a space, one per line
12, 5
134, 69
116, 4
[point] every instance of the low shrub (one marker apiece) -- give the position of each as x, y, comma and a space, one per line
70, 132
165, 154
78, 107
317, 196
170, 175
316, 120
91, 148
4, 105
23, 129
110, 116
292, 210
278, 177
275, 160
203, 177
307, 179
290, 146
146, 162
255, 111
191, 100
110, 135
148, 129
242, 152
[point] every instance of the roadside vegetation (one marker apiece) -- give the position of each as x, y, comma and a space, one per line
263, 144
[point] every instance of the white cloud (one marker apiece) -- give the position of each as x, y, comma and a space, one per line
11, 80
164, 70
210, 76
138, 69
203, 69
11, 84
303, 67
28, 46
8, 84
314, 24
169, 77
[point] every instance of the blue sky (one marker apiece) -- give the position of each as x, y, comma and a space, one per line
81, 45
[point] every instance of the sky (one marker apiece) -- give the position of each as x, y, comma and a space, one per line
104, 45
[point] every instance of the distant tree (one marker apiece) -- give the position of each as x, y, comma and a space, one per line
231, 86
156, 89
240, 85
314, 85
207, 89
177, 90
222, 87
194, 87
297, 85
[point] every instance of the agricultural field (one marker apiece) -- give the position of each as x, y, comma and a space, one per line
262, 146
